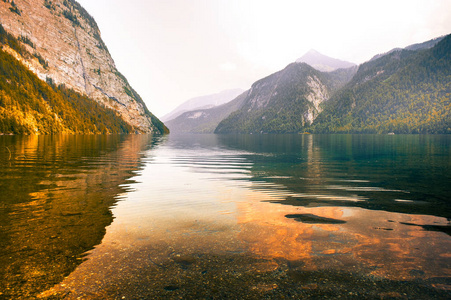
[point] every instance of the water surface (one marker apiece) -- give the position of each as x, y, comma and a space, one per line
226, 216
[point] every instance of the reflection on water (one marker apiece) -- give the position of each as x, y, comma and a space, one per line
56, 194
232, 216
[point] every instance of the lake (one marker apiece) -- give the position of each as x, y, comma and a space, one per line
225, 217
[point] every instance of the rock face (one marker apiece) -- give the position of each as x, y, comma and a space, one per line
68, 49
317, 95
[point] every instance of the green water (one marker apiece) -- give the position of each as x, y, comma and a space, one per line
225, 217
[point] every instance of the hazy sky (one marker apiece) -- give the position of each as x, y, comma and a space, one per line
173, 50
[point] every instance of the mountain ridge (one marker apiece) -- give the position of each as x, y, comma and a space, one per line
414, 47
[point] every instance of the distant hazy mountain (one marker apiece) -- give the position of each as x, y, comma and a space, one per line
403, 91
205, 120
203, 102
322, 62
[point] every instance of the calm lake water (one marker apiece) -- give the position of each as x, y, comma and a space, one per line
225, 217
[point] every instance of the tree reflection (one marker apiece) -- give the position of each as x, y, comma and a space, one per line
55, 203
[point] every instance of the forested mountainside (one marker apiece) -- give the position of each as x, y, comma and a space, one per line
205, 120
286, 101
60, 43
403, 91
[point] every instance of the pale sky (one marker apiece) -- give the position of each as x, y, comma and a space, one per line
174, 50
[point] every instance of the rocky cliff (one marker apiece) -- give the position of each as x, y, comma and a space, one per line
67, 48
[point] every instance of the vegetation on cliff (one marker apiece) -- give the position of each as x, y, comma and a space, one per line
29, 105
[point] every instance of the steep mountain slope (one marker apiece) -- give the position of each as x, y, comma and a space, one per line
66, 48
205, 120
322, 62
203, 102
29, 105
403, 92
286, 101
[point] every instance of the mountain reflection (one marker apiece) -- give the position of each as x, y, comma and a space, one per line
356, 203
404, 174
55, 200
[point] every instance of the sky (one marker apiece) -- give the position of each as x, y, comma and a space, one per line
174, 50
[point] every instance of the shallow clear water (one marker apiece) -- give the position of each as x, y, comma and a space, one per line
225, 216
